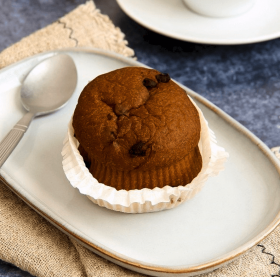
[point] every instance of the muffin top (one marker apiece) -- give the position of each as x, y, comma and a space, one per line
136, 118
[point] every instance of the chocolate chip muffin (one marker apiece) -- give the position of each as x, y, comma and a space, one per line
138, 129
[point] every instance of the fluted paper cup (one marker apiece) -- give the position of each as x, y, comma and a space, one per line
144, 200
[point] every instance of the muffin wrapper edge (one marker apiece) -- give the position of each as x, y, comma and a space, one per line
144, 200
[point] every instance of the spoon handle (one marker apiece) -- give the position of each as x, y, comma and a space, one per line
10, 141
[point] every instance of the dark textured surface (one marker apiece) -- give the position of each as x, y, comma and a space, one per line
242, 80
7, 269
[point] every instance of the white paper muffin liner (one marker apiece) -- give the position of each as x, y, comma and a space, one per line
144, 200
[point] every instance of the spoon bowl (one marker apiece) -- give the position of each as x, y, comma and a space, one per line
46, 88
49, 85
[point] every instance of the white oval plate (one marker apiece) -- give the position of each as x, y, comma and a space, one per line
172, 18
232, 213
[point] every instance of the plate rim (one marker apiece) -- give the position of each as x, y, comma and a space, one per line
194, 39
124, 260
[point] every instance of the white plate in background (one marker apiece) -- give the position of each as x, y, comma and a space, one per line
172, 18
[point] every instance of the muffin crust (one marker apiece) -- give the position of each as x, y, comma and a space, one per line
138, 129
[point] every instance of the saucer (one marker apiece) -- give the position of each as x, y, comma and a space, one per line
175, 20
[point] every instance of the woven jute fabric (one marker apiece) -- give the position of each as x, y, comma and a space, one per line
32, 243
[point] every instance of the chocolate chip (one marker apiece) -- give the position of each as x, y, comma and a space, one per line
136, 150
109, 117
149, 83
163, 78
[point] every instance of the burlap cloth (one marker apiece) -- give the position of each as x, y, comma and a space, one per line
33, 244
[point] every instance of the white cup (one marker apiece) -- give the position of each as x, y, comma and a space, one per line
219, 8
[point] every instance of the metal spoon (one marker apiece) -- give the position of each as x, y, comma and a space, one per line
47, 88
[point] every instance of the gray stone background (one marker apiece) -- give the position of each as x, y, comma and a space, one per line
243, 80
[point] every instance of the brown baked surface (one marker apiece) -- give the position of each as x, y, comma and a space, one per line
126, 125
